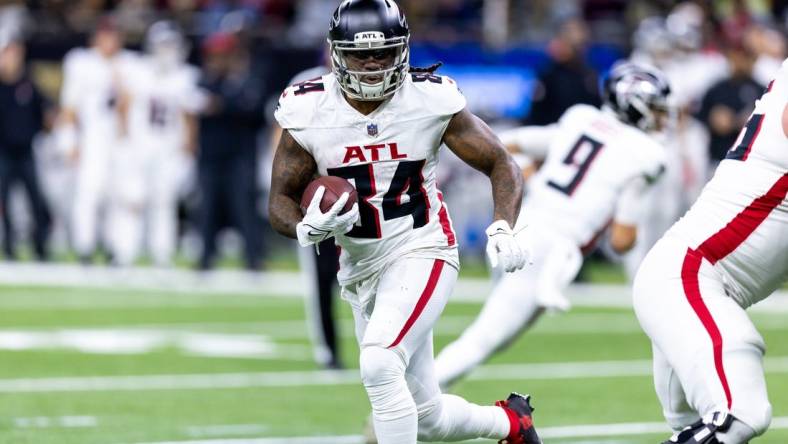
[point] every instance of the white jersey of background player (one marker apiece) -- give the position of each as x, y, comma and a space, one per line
379, 126
728, 252
93, 126
598, 167
163, 96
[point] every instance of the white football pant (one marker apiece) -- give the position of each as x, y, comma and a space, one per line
395, 311
708, 356
92, 183
167, 173
127, 203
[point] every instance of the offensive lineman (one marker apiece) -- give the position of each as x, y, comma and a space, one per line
380, 126
599, 165
728, 252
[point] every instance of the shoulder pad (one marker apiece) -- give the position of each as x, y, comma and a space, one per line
299, 103
440, 95
580, 111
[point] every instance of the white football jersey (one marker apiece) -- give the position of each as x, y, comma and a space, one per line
91, 85
390, 156
590, 158
159, 98
740, 222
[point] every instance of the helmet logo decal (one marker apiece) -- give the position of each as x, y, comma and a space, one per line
369, 37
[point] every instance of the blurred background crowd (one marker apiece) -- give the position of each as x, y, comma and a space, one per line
142, 131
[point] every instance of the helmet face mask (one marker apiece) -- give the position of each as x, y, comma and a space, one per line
370, 71
369, 48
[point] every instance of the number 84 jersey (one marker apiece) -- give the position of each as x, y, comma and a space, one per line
390, 156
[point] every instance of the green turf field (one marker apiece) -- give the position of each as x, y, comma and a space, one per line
118, 366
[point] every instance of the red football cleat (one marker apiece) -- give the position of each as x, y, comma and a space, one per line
519, 410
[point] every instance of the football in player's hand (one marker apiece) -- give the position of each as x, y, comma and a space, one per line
335, 186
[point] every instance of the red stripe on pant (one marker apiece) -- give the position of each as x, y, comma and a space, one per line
689, 278
715, 248
432, 282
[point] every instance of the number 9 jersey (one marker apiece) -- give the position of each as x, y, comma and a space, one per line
390, 156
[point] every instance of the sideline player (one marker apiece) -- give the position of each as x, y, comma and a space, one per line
163, 98
380, 126
598, 167
92, 126
728, 252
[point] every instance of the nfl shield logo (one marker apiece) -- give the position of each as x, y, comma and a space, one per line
372, 129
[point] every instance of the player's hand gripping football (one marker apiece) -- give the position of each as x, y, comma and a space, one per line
503, 248
317, 226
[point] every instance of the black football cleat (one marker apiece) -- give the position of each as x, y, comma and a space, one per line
518, 408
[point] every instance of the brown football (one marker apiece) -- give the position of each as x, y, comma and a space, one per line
335, 186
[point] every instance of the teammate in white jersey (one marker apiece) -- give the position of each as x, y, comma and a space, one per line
92, 127
728, 252
598, 166
380, 126
163, 98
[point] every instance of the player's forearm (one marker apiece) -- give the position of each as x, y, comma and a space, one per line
284, 214
507, 189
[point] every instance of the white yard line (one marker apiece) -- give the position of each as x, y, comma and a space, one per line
574, 431
212, 431
45, 422
285, 284
513, 372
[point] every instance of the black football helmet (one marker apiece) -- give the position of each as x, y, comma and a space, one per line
637, 95
369, 28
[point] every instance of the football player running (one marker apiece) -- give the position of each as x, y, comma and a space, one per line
598, 167
690, 295
380, 126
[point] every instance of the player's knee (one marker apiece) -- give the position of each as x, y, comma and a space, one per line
380, 366
431, 421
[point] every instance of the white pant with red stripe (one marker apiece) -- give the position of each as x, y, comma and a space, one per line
707, 353
516, 302
395, 311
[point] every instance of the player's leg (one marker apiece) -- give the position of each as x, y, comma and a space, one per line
510, 309
7, 178
516, 303
320, 274
416, 305
240, 194
163, 210
444, 417
91, 174
210, 183
127, 204
408, 298
705, 337
677, 412
38, 206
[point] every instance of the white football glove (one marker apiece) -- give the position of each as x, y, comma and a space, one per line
503, 248
317, 226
